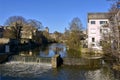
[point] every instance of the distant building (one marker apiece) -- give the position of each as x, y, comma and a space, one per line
96, 21
53, 36
47, 29
27, 33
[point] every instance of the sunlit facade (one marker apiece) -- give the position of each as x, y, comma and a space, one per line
95, 29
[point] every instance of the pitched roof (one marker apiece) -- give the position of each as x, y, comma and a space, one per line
99, 15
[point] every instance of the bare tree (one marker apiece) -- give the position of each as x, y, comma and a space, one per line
11, 21
15, 23
114, 27
111, 43
35, 23
76, 24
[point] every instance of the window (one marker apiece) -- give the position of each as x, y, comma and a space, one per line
93, 45
103, 22
93, 39
92, 22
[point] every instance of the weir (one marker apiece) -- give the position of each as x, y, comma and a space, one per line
82, 62
55, 61
30, 59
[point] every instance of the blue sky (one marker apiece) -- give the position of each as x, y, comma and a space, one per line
55, 14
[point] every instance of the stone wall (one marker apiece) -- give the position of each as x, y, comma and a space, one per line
75, 61
56, 61
80, 61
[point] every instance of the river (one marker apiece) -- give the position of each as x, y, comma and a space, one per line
14, 70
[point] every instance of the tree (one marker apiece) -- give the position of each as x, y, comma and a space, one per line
75, 34
75, 24
114, 8
111, 41
20, 28
15, 23
58, 36
35, 23
11, 21
16, 30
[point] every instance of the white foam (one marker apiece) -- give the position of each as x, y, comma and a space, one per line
18, 69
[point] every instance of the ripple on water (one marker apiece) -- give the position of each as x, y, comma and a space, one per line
23, 70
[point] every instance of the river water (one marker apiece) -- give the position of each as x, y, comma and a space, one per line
14, 70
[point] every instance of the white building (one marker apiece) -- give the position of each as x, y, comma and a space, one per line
95, 28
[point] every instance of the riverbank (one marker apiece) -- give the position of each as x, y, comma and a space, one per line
113, 61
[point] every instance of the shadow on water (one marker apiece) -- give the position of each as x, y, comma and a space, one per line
3, 58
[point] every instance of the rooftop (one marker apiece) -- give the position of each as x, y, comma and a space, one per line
99, 15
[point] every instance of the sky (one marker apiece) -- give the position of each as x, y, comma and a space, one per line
54, 14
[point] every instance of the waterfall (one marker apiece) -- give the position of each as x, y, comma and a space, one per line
30, 59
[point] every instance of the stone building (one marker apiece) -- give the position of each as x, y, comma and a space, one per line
27, 33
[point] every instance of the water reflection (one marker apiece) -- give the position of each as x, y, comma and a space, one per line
54, 49
46, 51
33, 52
51, 50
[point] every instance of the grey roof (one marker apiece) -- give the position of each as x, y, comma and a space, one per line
99, 15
